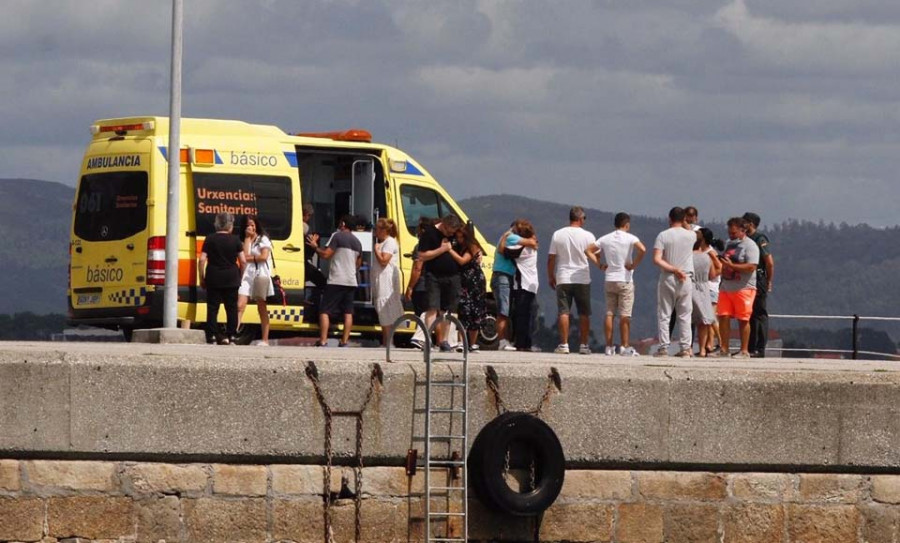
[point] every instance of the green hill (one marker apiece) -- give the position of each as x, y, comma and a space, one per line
821, 269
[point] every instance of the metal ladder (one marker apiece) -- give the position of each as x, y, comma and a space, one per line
452, 439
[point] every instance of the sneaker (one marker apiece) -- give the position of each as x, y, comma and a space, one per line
474, 348
584, 349
506, 346
757, 354
562, 348
661, 352
628, 351
535, 349
740, 354
610, 350
445, 347
262, 343
459, 347
417, 344
685, 353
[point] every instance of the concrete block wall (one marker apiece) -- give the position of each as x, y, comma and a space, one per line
57, 501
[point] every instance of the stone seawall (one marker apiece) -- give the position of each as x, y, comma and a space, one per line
52, 501
187, 444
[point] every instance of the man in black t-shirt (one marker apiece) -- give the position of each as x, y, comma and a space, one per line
441, 273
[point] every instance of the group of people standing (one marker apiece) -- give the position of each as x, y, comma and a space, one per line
707, 283
703, 283
233, 272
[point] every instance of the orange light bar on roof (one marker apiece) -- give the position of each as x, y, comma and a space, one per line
121, 129
203, 156
354, 134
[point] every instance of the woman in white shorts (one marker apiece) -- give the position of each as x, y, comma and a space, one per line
258, 251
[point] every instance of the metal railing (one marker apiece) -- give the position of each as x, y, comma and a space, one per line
855, 320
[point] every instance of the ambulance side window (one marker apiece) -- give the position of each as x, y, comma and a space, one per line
267, 196
422, 202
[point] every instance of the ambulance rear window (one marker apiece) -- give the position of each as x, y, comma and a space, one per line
267, 196
111, 206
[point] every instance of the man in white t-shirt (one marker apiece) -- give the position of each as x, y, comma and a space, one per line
623, 251
569, 274
673, 252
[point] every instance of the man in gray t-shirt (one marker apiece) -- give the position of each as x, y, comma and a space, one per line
673, 253
738, 288
345, 253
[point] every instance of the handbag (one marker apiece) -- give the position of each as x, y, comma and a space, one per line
260, 290
279, 296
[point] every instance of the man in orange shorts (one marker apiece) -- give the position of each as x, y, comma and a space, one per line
738, 288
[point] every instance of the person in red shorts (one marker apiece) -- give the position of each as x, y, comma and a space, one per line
738, 288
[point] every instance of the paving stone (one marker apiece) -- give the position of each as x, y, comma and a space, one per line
72, 475
668, 485
10, 479
879, 523
158, 519
236, 480
91, 517
222, 520
886, 488
823, 524
21, 519
762, 487
597, 484
830, 488
753, 523
639, 523
692, 523
297, 479
168, 478
578, 522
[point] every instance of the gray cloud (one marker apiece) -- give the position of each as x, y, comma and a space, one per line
789, 108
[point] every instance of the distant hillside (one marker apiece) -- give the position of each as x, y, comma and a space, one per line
35, 217
820, 269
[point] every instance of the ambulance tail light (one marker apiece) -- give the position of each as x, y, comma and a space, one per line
122, 129
156, 260
354, 134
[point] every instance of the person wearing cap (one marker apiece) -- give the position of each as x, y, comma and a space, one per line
765, 272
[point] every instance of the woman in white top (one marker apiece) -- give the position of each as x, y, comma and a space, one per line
258, 251
386, 276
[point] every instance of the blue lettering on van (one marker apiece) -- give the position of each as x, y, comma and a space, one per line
117, 161
102, 275
244, 158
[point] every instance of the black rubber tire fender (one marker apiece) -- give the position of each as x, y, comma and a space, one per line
490, 459
475, 460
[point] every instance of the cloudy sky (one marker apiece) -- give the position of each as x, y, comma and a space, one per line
790, 108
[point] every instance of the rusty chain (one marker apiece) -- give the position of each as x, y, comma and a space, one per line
554, 382
375, 379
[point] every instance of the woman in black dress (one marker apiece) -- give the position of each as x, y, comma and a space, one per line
222, 263
472, 309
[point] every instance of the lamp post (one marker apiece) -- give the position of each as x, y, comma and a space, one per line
170, 287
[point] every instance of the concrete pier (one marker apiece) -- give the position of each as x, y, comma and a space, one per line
179, 402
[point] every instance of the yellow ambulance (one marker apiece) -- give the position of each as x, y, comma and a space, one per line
118, 237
